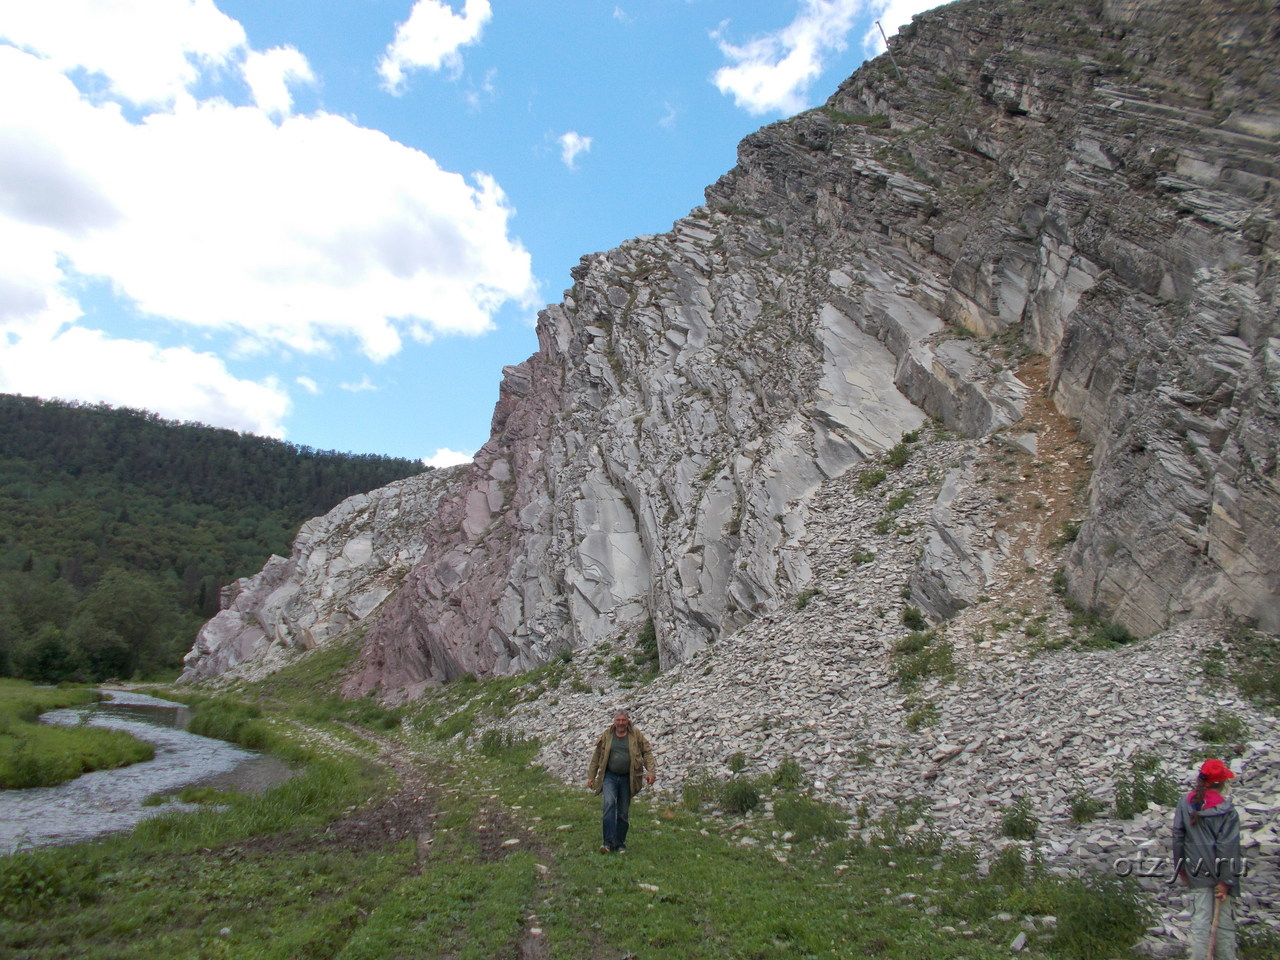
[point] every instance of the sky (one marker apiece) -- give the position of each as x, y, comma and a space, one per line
334, 221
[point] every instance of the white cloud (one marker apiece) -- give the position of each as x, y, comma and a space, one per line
45, 353
773, 73
572, 144
307, 384
283, 233
365, 385
270, 74
301, 233
444, 457
431, 38
149, 51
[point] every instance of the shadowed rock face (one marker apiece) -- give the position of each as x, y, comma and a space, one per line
1080, 181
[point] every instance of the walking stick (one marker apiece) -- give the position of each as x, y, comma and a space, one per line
1213, 929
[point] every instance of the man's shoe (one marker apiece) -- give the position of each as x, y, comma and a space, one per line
620, 850
604, 848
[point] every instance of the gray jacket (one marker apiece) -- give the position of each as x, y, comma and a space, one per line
1208, 851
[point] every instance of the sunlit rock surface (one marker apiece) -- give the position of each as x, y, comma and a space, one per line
1095, 185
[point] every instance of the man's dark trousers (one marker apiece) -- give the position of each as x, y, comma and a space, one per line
617, 807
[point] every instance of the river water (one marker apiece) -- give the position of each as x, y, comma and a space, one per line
111, 800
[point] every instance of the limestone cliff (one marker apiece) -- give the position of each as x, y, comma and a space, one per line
1092, 182
342, 566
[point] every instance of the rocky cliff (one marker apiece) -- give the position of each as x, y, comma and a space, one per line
1091, 184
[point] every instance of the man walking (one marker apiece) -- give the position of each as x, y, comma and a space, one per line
622, 763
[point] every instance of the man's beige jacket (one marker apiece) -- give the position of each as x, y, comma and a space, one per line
642, 762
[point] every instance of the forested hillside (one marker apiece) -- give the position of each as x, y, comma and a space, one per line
118, 529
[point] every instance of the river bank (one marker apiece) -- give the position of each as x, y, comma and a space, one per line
111, 800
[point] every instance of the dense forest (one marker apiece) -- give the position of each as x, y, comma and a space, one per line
118, 529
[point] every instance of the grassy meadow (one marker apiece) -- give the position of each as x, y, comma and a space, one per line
37, 755
401, 837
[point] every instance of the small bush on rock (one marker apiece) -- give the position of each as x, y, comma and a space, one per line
1143, 784
1019, 822
1085, 807
739, 795
789, 775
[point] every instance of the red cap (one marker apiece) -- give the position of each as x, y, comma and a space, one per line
1215, 771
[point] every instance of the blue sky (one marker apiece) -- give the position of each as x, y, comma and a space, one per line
335, 222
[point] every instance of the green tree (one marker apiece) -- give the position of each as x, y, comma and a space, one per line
135, 610
45, 657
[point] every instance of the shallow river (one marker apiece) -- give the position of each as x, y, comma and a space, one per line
111, 800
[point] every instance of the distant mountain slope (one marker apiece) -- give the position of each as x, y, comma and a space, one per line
105, 510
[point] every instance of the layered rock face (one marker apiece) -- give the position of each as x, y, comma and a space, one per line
1094, 183
342, 566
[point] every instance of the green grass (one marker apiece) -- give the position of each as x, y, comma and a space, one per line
919, 655
1225, 728
264, 880
1255, 660
35, 755
167, 888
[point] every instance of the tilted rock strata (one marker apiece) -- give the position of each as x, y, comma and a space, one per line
1047, 176
342, 566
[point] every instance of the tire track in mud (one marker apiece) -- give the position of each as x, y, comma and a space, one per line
413, 810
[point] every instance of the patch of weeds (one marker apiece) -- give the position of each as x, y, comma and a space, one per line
1098, 633
1214, 665
805, 596
871, 478
1226, 730
898, 501
883, 526
1070, 532
809, 818
1094, 916
505, 743
1019, 822
789, 775
739, 795
646, 656
1010, 866
913, 619
863, 556
923, 716
920, 655
1144, 783
911, 436
230, 720
699, 788
1258, 942
898, 455
35, 881
460, 723
1256, 672
207, 796
1085, 807
643, 662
